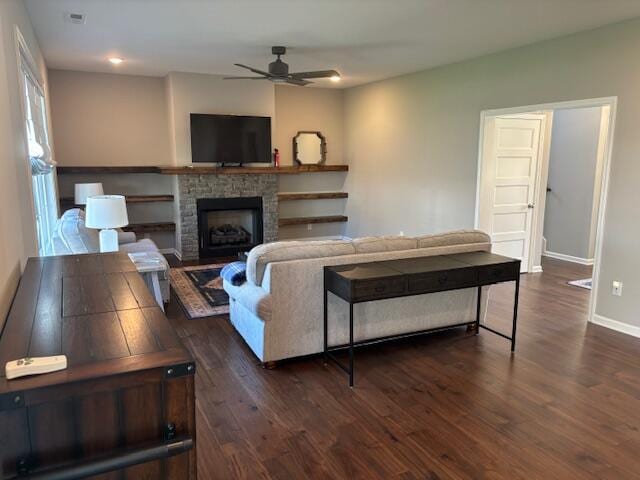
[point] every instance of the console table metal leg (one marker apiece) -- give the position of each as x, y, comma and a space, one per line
478, 308
350, 344
326, 329
515, 314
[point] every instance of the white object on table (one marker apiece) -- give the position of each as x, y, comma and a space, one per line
106, 212
34, 366
149, 264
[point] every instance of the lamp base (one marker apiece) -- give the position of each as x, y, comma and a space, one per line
108, 241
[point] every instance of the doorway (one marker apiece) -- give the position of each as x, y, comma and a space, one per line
531, 203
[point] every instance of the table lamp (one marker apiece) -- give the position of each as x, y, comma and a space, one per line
106, 212
86, 190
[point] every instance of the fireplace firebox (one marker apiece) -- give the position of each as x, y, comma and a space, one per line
227, 226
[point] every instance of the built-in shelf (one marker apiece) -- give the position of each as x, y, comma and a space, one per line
283, 222
287, 197
293, 170
130, 199
98, 170
150, 227
189, 170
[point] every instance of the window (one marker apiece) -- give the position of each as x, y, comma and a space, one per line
43, 176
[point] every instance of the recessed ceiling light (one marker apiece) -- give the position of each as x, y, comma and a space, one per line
335, 78
116, 60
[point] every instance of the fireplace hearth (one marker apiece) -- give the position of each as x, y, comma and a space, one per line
228, 226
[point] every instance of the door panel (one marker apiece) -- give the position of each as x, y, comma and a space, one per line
510, 160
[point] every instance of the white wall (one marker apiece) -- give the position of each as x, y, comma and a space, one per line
106, 119
412, 141
573, 159
197, 93
312, 109
17, 223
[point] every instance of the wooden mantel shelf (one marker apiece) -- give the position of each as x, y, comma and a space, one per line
292, 196
283, 222
130, 199
189, 170
142, 228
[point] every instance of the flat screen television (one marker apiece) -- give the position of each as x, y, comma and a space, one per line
230, 139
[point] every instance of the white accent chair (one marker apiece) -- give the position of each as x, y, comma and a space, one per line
72, 237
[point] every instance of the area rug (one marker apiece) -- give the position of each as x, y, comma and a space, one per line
586, 283
199, 290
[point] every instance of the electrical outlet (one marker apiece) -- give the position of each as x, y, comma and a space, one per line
309, 226
616, 288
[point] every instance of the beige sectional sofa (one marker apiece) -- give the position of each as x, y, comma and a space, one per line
279, 310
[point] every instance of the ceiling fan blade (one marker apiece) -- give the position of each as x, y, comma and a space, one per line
245, 78
316, 74
254, 70
297, 81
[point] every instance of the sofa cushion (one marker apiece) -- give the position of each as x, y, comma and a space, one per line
459, 237
389, 243
74, 236
262, 255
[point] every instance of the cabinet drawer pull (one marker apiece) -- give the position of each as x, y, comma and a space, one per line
379, 288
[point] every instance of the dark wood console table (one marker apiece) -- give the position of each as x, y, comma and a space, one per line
124, 407
366, 282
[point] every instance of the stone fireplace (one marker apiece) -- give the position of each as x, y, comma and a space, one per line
217, 213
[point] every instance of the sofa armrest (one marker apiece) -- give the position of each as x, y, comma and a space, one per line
252, 297
126, 237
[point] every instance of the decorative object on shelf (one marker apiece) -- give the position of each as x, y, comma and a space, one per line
86, 190
309, 148
276, 157
106, 212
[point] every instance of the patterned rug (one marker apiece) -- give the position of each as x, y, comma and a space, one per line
199, 290
586, 283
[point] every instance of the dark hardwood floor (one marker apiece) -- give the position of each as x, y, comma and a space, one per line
451, 405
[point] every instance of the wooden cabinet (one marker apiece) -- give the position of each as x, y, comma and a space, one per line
124, 408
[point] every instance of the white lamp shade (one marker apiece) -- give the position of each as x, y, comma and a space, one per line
85, 190
106, 211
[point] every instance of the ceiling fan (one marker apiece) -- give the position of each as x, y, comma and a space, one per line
279, 72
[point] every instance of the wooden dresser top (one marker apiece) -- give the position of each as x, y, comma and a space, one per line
97, 310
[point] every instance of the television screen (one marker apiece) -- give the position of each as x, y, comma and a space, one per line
230, 139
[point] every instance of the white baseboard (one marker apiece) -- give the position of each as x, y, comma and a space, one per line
568, 258
616, 325
536, 269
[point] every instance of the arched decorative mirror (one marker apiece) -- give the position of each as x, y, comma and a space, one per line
309, 148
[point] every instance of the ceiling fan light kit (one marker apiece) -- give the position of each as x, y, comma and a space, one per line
278, 72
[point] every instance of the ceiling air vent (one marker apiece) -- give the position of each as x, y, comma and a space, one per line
77, 18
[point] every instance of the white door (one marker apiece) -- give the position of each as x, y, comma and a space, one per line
511, 154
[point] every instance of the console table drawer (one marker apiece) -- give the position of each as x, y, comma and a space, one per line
440, 281
375, 289
499, 273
